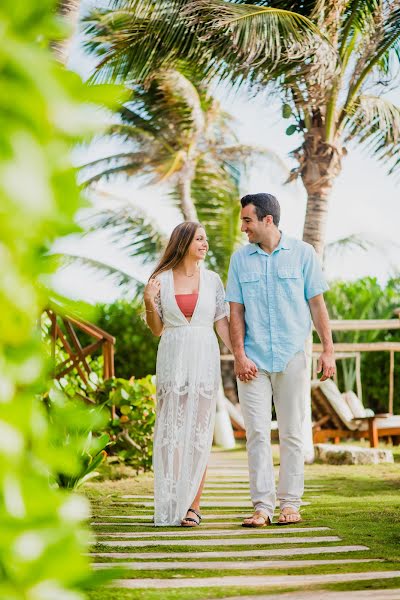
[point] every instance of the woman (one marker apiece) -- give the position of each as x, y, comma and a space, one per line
183, 301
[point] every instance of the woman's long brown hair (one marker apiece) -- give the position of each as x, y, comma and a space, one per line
177, 247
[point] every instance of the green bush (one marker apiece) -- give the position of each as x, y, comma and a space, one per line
136, 346
129, 422
72, 429
367, 299
131, 427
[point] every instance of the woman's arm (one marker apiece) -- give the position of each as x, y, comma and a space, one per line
153, 319
222, 327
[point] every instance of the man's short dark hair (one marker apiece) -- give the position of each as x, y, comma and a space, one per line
264, 204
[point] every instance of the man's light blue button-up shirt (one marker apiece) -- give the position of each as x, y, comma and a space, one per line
275, 289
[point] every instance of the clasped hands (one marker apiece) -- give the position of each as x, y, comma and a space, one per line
245, 369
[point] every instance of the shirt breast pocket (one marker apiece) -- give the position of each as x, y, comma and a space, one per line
250, 284
290, 282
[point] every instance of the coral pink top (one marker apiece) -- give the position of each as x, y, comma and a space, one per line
187, 303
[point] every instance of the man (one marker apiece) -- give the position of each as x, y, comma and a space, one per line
274, 283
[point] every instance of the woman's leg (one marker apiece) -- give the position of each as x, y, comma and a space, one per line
196, 502
201, 436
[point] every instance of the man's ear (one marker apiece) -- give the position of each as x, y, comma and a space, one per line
268, 219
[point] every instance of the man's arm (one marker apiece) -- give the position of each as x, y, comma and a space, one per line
320, 317
245, 368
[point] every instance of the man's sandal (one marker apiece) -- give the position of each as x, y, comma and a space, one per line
258, 516
292, 513
189, 522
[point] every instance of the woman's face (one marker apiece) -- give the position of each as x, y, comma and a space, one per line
199, 245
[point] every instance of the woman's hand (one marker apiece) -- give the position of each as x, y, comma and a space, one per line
151, 290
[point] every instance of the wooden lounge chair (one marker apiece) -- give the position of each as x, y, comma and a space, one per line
339, 416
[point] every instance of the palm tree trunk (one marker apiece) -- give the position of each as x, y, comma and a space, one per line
69, 10
315, 221
185, 195
320, 163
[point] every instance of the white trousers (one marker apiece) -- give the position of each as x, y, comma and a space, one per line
286, 389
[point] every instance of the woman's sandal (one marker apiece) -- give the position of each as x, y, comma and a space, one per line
196, 523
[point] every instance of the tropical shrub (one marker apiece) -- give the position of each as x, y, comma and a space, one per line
131, 427
72, 427
136, 346
119, 413
367, 299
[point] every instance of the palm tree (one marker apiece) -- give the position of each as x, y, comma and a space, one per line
172, 131
68, 10
328, 61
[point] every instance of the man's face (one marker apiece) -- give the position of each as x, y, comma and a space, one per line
254, 228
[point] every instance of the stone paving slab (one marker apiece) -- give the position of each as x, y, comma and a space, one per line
216, 496
237, 565
255, 553
194, 532
211, 517
229, 472
218, 485
219, 476
206, 504
241, 542
225, 525
224, 484
219, 495
325, 595
253, 581
238, 530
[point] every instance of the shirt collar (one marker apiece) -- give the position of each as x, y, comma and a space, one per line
283, 245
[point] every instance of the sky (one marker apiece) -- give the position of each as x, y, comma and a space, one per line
364, 201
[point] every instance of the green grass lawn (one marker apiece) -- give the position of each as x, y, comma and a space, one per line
361, 505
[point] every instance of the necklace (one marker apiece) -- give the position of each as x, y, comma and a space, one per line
192, 275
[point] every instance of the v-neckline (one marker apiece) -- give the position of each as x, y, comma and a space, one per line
198, 297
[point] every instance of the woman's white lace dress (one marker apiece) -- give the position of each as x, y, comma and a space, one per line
188, 375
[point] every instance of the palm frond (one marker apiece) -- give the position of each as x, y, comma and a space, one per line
354, 241
257, 34
117, 274
375, 123
112, 166
216, 37
390, 42
215, 191
247, 154
135, 38
378, 50
130, 228
363, 241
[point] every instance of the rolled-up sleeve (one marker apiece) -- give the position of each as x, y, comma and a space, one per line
314, 280
233, 287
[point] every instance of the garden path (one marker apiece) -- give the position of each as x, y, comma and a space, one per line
220, 554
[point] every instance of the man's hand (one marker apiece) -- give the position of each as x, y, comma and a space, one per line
245, 369
326, 364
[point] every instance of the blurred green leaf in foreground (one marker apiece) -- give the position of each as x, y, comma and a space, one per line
44, 111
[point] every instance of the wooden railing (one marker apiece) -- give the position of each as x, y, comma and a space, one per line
77, 354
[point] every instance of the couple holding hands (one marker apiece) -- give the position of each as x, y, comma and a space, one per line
275, 287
